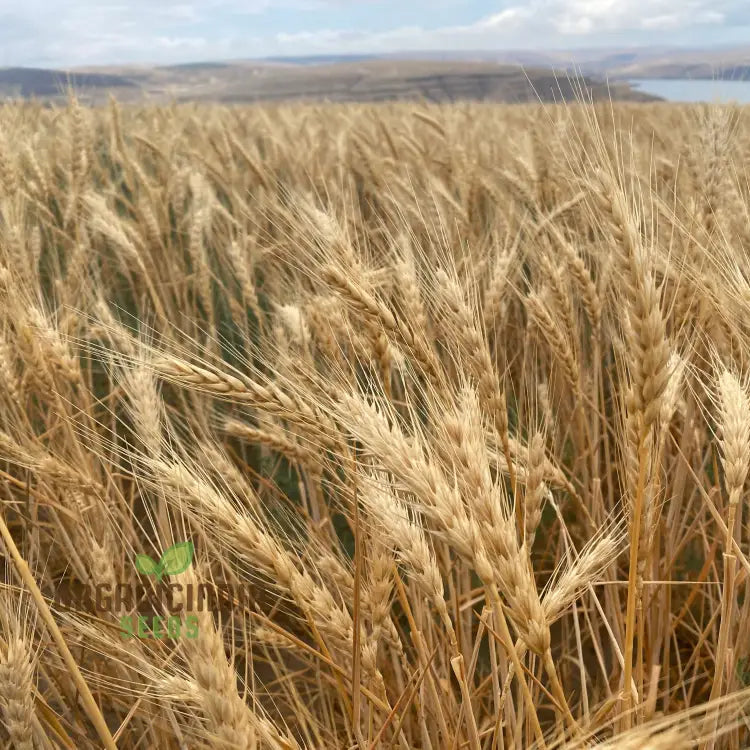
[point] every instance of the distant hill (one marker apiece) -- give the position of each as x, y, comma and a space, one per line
320, 59
41, 82
195, 66
731, 63
442, 75
350, 80
722, 63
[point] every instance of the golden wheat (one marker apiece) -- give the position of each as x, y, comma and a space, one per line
448, 404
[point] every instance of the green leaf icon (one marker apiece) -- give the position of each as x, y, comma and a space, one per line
176, 559
144, 564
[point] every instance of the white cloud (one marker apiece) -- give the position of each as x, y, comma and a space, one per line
591, 16
537, 23
505, 18
98, 31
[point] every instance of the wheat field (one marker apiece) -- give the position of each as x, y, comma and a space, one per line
368, 426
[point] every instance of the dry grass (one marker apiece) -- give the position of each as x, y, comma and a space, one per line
458, 393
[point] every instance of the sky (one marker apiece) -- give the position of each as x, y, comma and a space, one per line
95, 32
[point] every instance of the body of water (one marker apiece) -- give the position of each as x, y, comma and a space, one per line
685, 90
